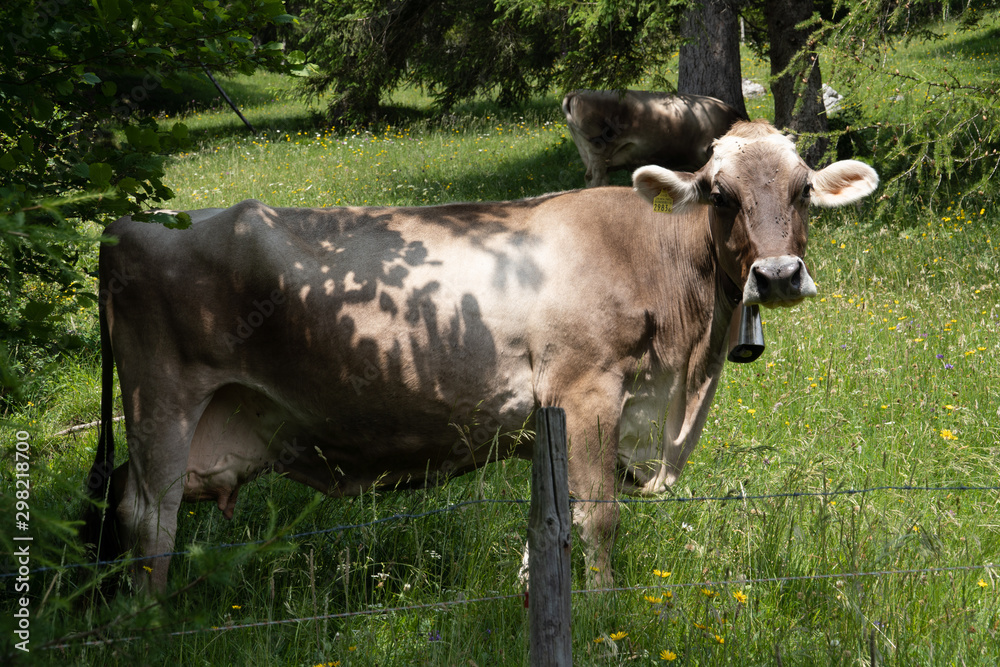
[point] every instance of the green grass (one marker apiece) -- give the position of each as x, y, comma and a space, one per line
887, 379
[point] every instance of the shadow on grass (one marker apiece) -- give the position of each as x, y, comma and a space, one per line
553, 169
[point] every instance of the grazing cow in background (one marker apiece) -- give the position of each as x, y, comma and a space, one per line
339, 345
614, 132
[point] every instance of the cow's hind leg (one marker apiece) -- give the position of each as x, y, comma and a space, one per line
159, 440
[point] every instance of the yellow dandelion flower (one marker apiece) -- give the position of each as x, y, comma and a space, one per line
618, 636
598, 640
719, 639
147, 569
667, 655
708, 593
700, 626
983, 583
948, 435
236, 606
740, 597
661, 573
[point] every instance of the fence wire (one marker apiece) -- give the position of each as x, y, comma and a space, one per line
988, 567
513, 501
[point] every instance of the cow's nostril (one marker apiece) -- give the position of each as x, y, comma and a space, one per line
763, 284
796, 279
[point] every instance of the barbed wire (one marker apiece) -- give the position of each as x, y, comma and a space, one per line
497, 598
400, 516
232, 545
285, 621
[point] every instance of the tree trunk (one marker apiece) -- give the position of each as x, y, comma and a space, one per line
798, 95
710, 58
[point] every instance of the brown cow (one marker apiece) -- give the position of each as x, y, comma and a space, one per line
340, 345
614, 132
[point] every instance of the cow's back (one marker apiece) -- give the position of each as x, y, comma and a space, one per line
614, 131
366, 332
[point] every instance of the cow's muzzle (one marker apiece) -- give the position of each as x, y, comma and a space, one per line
778, 281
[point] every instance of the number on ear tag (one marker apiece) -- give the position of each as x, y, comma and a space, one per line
662, 203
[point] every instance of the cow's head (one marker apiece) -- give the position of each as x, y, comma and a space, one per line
758, 191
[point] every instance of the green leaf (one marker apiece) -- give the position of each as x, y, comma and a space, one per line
128, 184
108, 9
41, 109
91, 78
36, 311
64, 87
181, 221
26, 144
174, 220
7, 162
179, 131
142, 138
100, 174
296, 57
272, 9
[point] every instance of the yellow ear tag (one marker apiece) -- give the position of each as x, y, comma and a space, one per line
662, 203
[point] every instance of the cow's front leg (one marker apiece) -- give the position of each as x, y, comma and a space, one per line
594, 506
592, 420
597, 173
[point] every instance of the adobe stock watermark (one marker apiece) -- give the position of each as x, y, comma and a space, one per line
126, 106
480, 429
46, 11
599, 146
22, 540
246, 326
290, 452
115, 284
161, 414
613, 129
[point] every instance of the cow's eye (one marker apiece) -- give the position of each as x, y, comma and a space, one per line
720, 199
807, 190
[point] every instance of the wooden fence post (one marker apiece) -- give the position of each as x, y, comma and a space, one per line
549, 526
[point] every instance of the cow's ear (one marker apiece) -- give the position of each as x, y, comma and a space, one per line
683, 188
842, 183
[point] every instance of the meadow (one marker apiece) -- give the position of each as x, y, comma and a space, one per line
842, 507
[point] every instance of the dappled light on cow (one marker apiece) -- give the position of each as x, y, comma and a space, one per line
360, 348
626, 129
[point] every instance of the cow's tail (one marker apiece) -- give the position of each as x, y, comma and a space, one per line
101, 517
